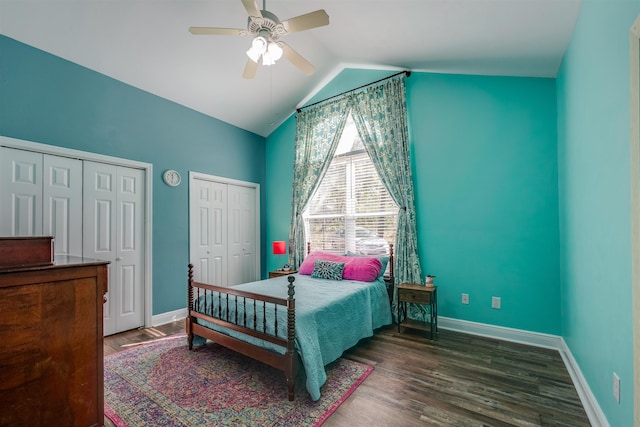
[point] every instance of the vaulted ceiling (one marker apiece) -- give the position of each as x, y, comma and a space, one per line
146, 44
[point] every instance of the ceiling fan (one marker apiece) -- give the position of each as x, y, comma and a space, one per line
267, 30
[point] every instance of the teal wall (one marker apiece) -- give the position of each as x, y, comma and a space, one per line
594, 188
46, 99
484, 160
279, 160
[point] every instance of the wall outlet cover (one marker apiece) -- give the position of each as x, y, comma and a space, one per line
496, 302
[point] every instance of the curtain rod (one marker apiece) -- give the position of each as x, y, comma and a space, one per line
407, 72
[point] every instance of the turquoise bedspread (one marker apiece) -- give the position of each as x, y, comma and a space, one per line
331, 317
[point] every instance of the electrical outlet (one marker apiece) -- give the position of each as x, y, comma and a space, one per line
465, 298
496, 302
616, 387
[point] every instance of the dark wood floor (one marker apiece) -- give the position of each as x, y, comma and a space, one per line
455, 380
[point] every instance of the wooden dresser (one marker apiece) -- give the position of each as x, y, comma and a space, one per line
51, 343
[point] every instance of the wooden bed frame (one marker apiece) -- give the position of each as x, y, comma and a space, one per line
289, 362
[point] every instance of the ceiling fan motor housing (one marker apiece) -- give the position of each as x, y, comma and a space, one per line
268, 23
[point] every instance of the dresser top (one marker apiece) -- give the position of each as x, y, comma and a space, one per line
59, 261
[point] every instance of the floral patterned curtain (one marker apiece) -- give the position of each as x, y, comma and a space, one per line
318, 131
380, 115
381, 119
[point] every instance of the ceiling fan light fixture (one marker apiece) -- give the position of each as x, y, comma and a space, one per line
268, 50
259, 44
267, 59
274, 51
258, 47
253, 55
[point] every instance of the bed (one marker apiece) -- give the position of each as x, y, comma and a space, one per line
294, 322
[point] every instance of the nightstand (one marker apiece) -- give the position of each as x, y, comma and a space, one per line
278, 273
418, 294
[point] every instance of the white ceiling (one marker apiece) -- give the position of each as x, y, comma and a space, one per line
146, 43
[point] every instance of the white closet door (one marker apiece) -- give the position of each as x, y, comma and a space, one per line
208, 231
130, 248
242, 232
113, 219
42, 195
62, 204
223, 231
99, 238
20, 192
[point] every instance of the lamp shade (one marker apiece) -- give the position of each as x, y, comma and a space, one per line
275, 51
279, 248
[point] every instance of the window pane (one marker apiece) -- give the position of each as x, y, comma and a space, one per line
373, 234
371, 195
327, 234
330, 197
351, 210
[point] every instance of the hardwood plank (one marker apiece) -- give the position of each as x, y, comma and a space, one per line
454, 380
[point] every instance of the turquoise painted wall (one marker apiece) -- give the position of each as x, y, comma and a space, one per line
279, 169
486, 188
594, 188
46, 99
485, 174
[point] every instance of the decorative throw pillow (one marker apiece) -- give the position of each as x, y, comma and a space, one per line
364, 269
327, 270
384, 260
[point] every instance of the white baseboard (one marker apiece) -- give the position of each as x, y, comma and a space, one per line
499, 332
168, 317
555, 342
591, 407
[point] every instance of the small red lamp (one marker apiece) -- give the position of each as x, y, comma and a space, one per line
280, 248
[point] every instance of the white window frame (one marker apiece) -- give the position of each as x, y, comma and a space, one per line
350, 216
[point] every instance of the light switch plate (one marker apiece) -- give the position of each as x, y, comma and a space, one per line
496, 302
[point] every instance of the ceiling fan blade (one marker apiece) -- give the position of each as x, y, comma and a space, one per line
217, 31
319, 18
250, 69
296, 59
252, 8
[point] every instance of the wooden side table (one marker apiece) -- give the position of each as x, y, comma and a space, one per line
278, 273
418, 294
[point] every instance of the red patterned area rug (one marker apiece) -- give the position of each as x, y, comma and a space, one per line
164, 384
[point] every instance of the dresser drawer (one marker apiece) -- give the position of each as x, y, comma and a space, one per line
417, 297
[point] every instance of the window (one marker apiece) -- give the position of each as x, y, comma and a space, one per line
351, 210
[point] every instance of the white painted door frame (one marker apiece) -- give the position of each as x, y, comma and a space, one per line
634, 62
148, 226
205, 177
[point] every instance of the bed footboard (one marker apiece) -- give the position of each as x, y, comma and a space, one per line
251, 314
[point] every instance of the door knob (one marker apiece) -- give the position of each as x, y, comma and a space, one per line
118, 259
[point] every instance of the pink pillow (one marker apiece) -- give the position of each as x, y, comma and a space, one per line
307, 265
363, 269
